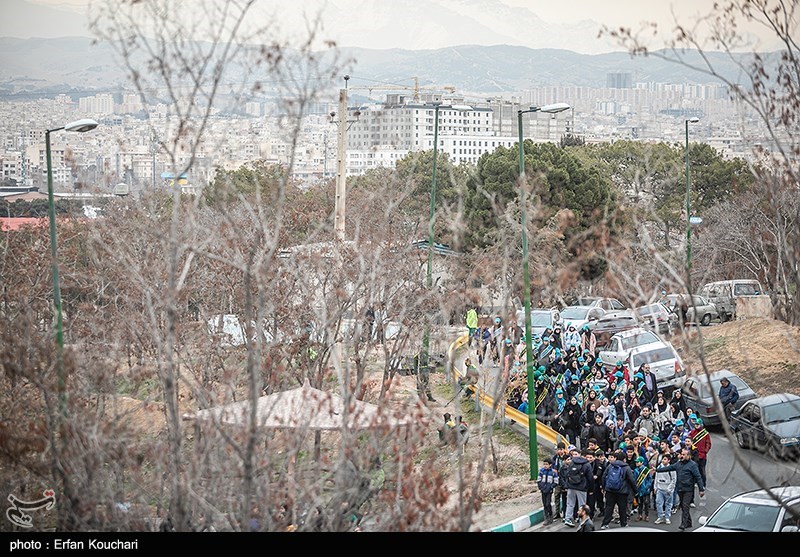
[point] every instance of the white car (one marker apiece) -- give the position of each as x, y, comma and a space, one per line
756, 511
580, 315
664, 361
621, 344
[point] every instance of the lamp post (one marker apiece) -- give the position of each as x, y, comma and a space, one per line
692, 120
423, 363
77, 126
533, 447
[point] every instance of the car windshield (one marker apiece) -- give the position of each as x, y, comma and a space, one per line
781, 412
615, 322
651, 356
745, 517
574, 313
745, 289
541, 319
645, 337
715, 384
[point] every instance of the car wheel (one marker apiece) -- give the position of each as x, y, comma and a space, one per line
706, 321
740, 440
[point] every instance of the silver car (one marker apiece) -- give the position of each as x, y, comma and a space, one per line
657, 318
698, 392
580, 315
700, 311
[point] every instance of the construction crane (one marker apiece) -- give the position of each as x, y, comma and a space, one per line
392, 87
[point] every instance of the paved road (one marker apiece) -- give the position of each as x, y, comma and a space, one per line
726, 477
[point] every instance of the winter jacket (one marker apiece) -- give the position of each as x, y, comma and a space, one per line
644, 481
729, 394
665, 481
629, 485
701, 440
688, 474
587, 475
649, 423
547, 480
602, 434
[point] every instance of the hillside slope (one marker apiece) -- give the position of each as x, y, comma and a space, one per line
764, 352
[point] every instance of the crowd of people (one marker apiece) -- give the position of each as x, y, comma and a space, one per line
629, 448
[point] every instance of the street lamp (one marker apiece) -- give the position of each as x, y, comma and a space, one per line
533, 448
423, 363
692, 120
77, 126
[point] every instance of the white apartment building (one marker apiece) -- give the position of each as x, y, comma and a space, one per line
11, 166
381, 134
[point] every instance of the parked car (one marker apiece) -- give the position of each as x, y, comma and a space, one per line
610, 324
580, 315
758, 510
699, 310
726, 294
698, 392
770, 424
657, 318
608, 304
664, 362
541, 319
620, 345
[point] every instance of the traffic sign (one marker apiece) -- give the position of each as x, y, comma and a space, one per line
695, 220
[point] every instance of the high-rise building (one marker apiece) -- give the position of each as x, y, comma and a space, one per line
619, 80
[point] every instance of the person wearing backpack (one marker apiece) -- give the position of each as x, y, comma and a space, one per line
579, 483
618, 483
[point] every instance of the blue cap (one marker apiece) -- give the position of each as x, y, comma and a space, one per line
618, 374
508, 341
678, 422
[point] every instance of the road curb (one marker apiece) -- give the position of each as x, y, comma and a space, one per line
521, 523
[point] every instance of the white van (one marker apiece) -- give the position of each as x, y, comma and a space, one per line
738, 298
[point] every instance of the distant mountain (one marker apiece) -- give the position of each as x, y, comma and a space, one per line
75, 64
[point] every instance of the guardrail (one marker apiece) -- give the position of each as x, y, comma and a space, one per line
544, 433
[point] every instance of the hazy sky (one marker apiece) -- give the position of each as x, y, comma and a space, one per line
416, 24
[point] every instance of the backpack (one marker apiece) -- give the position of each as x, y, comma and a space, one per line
575, 475
615, 478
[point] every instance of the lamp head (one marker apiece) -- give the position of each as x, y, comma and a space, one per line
553, 108
693, 120
81, 125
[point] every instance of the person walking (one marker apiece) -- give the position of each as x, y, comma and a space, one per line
665, 487
618, 482
472, 324
728, 395
579, 483
644, 488
547, 482
688, 475
701, 441
560, 491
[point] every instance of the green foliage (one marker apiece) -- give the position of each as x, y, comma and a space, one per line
246, 181
557, 176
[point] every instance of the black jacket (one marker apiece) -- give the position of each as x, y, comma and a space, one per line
587, 478
688, 475
602, 434
629, 485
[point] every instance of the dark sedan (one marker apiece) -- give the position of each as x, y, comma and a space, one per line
698, 390
610, 324
770, 424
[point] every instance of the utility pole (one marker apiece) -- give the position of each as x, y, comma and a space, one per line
341, 164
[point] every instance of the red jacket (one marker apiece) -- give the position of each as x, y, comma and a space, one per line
701, 440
